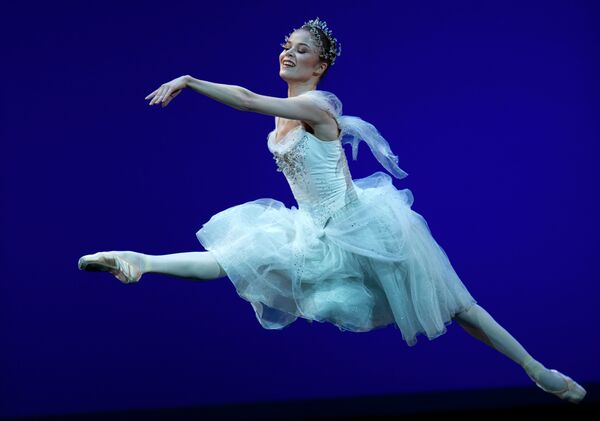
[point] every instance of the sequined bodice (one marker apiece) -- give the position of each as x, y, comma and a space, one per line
316, 170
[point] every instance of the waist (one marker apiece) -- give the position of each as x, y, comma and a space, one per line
322, 212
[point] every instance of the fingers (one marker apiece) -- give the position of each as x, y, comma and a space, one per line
160, 95
151, 94
155, 99
157, 95
163, 95
170, 98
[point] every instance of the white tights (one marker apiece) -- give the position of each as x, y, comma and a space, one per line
479, 324
198, 265
476, 321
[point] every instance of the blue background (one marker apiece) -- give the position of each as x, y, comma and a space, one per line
492, 108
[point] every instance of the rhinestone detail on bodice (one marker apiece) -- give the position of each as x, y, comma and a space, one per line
317, 172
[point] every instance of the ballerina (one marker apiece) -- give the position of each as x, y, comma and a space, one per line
353, 253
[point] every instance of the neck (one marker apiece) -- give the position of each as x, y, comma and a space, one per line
295, 89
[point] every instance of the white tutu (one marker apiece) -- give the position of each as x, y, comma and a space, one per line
375, 263
353, 253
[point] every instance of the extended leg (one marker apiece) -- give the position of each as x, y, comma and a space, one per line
198, 265
480, 324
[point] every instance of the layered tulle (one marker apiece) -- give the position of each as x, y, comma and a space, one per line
374, 264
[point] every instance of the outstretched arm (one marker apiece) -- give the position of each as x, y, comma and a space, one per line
293, 108
240, 98
233, 95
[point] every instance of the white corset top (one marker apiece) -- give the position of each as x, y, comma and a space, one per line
316, 170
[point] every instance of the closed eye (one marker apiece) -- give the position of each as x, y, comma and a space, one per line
287, 48
301, 52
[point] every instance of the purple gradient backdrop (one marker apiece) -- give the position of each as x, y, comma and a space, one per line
492, 108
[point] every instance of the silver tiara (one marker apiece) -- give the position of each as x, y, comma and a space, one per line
335, 48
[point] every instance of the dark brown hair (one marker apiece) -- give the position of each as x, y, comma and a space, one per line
325, 47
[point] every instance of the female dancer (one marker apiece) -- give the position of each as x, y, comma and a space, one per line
353, 253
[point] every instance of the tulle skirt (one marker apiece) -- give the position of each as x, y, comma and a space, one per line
374, 264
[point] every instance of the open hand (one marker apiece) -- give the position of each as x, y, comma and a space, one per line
167, 91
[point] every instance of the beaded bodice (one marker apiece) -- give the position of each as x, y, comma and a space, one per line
316, 170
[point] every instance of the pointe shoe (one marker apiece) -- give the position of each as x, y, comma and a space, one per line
573, 392
123, 270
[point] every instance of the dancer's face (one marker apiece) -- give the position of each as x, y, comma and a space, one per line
304, 53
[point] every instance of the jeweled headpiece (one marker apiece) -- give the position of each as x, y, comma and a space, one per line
335, 47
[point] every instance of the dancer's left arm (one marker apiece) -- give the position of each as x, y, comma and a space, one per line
240, 98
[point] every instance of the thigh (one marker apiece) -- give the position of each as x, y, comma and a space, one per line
210, 259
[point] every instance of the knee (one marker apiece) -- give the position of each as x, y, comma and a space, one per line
468, 316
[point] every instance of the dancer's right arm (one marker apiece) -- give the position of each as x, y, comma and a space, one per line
232, 95
300, 107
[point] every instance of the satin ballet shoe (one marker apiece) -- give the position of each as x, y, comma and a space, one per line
573, 392
123, 270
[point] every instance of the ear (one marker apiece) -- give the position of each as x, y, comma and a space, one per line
322, 67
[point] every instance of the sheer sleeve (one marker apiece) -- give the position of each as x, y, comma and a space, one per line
326, 101
354, 129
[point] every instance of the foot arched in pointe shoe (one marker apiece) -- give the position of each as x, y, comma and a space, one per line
125, 271
572, 392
